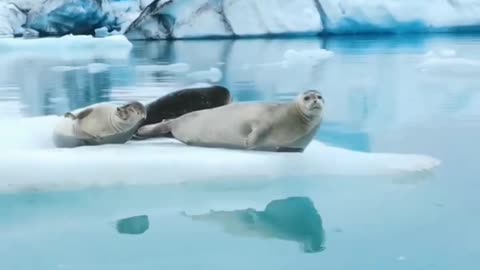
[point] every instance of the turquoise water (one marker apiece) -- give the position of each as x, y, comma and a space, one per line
378, 100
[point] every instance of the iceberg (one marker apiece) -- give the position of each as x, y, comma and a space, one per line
175, 19
136, 162
62, 17
66, 47
170, 19
11, 20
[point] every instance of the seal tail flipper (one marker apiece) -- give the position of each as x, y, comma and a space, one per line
155, 130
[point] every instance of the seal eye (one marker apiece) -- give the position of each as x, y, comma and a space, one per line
319, 97
306, 98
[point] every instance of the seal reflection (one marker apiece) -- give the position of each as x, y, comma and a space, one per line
133, 225
291, 219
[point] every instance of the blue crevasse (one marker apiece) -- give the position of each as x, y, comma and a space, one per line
58, 17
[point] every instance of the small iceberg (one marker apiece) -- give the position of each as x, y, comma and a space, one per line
138, 162
91, 68
212, 75
175, 68
68, 47
67, 41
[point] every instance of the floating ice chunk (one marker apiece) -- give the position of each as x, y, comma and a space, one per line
97, 67
66, 68
67, 41
67, 47
91, 68
441, 53
307, 56
450, 66
177, 68
30, 33
212, 75
101, 32
136, 162
294, 58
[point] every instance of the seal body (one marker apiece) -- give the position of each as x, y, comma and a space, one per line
283, 127
184, 101
98, 124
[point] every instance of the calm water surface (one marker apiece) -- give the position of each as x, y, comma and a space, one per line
381, 96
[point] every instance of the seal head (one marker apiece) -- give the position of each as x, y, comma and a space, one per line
310, 104
128, 115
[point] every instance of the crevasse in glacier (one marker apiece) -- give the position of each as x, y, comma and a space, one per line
56, 17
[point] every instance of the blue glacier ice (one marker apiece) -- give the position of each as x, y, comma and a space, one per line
175, 19
56, 17
239, 18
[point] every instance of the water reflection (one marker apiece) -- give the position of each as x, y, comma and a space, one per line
133, 225
291, 219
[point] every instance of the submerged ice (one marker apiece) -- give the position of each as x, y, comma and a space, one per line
164, 19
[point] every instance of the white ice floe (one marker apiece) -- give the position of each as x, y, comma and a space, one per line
441, 53
211, 75
306, 56
295, 58
91, 68
97, 67
67, 41
176, 68
68, 47
446, 62
29, 146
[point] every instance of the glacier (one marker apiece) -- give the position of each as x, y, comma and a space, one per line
176, 19
170, 19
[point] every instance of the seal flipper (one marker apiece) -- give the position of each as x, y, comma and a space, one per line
70, 115
256, 135
155, 130
82, 114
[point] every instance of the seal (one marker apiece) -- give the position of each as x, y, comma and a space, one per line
280, 127
292, 219
184, 101
102, 123
178, 103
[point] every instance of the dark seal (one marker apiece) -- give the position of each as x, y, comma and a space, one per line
184, 101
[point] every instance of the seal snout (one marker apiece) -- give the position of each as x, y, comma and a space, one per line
313, 99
